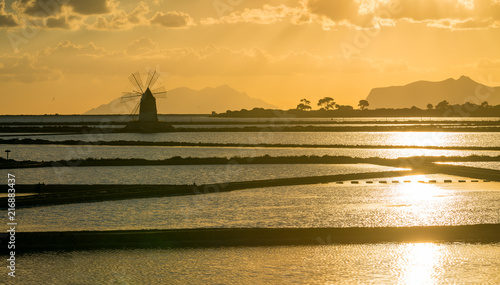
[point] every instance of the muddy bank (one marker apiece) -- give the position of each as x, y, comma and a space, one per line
68, 194
394, 128
173, 143
216, 237
266, 159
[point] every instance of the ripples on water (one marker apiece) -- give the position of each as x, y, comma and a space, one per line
57, 152
484, 139
409, 263
183, 174
321, 205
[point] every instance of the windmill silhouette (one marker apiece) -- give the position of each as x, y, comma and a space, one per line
146, 106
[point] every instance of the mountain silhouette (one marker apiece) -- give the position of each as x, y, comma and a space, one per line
184, 100
421, 93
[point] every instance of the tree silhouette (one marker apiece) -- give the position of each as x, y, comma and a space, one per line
470, 106
485, 104
442, 105
304, 105
363, 104
430, 106
344, 107
327, 103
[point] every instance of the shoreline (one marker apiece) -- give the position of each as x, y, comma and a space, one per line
404, 162
59, 194
30, 141
278, 128
68, 194
223, 237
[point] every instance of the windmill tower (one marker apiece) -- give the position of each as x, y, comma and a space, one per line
146, 106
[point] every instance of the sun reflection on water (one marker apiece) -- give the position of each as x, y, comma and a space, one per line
422, 138
417, 189
419, 263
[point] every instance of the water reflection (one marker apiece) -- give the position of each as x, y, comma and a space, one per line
420, 138
320, 205
391, 263
422, 199
465, 139
59, 152
417, 188
419, 263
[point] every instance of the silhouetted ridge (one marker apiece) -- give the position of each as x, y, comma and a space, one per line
421, 93
184, 100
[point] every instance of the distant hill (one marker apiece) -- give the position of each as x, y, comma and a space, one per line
184, 100
421, 93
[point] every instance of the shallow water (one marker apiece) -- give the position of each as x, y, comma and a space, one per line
408, 263
466, 139
58, 152
320, 205
183, 174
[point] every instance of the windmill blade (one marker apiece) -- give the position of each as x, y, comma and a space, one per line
161, 95
152, 78
131, 94
160, 92
136, 108
136, 80
128, 99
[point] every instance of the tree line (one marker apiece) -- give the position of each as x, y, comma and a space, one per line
327, 107
328, 103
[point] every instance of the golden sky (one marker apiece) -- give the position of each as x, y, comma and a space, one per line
68, 56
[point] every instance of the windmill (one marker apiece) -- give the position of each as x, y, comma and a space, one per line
146, 106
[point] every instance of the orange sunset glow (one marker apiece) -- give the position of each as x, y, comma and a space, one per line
68, 57
250, 141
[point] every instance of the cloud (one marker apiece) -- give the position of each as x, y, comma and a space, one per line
172, 19
213, 60
91, 60
91, 7
6, 19
143, 46
467, 24
138, 15
87, 60
24, 68
92, 14
60, 14
451, 14
335, 10
450, 9
67, 48
267, 15
120, 20
39, 8
44, 8
57, 23
70, 22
